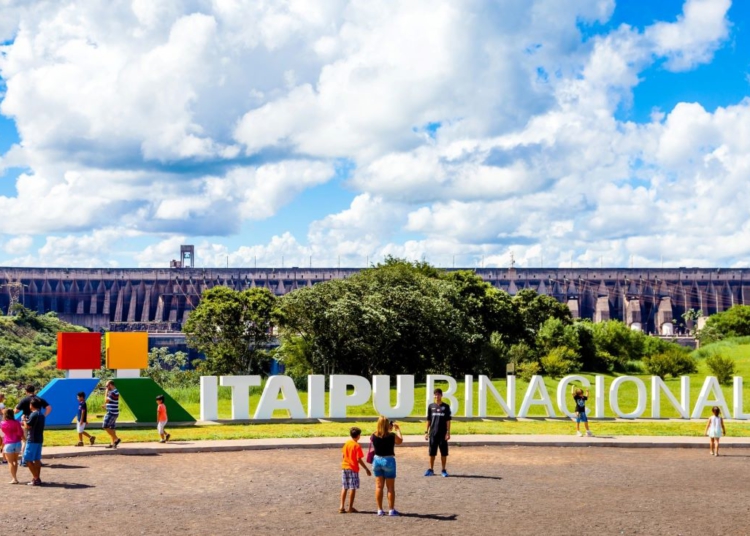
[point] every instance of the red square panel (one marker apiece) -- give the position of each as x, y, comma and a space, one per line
79, 351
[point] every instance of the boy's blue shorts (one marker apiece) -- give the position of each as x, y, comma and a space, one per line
32, 452
581, 417
384, 466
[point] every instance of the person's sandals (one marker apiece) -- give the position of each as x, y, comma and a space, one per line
13, 482
79, 444
342, 511
352, 510
92, 439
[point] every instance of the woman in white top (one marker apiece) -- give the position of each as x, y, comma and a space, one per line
715, 429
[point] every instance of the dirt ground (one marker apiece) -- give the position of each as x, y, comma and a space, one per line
492, 490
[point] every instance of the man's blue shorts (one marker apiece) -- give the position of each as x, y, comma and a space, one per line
32, 452
581, 417
384, 466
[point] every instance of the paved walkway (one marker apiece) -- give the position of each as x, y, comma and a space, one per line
144, 449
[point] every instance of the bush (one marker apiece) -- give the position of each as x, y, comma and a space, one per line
722, 367
674, 362
526, 370
559, 361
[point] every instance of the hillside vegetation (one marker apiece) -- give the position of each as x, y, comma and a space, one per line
28, 349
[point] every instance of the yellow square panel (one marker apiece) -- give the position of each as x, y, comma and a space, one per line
127, 350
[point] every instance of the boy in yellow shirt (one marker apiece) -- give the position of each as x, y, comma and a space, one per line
352, 458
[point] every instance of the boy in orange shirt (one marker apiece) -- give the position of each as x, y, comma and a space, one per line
161, 419
352, 458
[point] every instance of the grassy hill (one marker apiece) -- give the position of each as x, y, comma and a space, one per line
28, 350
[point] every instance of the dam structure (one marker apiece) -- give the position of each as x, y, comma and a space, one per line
160, 300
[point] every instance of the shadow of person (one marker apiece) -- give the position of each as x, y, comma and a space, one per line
66, 485
488, 477
436, 517
63, 466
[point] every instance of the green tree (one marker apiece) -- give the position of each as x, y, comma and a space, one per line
617, 344
232, 329
534, 310
734, 322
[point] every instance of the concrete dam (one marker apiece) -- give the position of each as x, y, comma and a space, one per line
160, 300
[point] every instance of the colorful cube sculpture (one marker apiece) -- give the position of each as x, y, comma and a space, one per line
79, 351
127, 350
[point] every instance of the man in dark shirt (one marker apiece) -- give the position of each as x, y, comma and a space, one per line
438, 431
24, 406
32, 453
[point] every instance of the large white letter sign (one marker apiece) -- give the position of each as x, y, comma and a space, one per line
614, 403
536, 384
486, 387
711, 384
468, 396
316, 396
339, 400
658, 386
599, 392
448, 394
269, 400
738, 406
562, 392
381, 396
209, 398
240, 394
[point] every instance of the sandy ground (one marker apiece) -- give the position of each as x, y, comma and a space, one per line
492, 490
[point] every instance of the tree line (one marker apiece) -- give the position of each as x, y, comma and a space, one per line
402, 317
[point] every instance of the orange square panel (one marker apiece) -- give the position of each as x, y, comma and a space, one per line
127, 350
79, 351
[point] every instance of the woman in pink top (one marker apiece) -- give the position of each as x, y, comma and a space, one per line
13, 433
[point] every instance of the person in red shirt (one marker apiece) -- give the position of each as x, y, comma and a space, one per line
352, 458
161, 419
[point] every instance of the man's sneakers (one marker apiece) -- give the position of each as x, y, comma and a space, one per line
579, 434
168, 436
429, 472
381, 513
444, 473
393, 513
79, 444
589, 433
92, 439
117, 442
35, 482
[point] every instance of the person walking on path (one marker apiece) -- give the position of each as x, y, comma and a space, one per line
438, 431
352, 458
112, 405
384, 440
32, 452
13, 433
581, 417
161, 419
715, 430
82, 419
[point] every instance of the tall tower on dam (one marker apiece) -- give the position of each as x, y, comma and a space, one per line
159, 300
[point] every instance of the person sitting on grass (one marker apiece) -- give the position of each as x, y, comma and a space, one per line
161, 419
352, 458
715, 429
581, 416
82, 419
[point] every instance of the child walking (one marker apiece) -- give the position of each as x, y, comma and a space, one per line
715, 429
581, 417
352, 458
82, 420
161, 419
13, 433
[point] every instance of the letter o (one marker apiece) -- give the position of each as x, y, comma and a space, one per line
642, 397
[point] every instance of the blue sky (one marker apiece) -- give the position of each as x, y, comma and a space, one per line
592, 131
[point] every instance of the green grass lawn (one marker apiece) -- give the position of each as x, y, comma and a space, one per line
189, 398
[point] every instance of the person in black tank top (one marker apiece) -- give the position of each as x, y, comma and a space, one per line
383, 442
